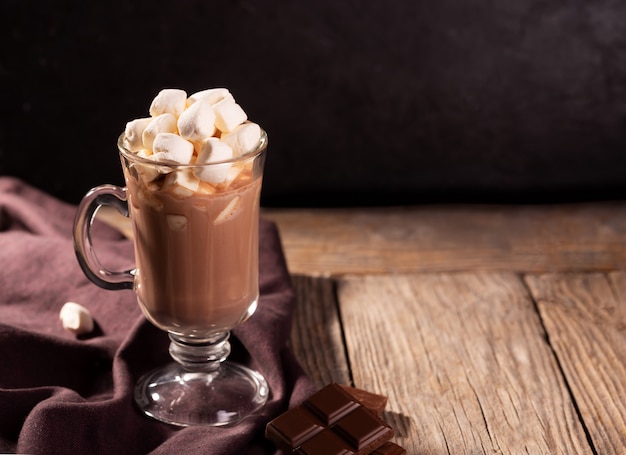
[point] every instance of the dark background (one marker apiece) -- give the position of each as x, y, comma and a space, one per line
365, 102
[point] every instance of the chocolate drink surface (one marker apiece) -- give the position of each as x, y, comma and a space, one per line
196, 255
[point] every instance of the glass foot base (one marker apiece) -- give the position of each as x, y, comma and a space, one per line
222, 397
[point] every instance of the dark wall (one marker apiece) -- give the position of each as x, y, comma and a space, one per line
365, 102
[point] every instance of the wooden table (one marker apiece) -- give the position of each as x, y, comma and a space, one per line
492, 329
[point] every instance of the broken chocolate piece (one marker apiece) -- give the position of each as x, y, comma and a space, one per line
370, 400
329, 422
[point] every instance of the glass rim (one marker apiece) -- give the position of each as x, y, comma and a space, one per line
132, 156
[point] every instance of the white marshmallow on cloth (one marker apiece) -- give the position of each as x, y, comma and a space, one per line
228, 115
169, 101
76, 318
164, 123
133, 134
172, 147
197, 122
212, 151
243, 139
212, 95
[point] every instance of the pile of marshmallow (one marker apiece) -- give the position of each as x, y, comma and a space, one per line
206, 127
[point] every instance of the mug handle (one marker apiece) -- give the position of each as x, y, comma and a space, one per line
90, 264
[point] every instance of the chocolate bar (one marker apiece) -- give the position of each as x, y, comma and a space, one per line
329, 422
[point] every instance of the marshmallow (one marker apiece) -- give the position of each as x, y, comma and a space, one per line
176, 222
164, 123
147, 172
228, 115
212, 151
182, 183
228, 211
243, 139
205, 131
206, 188
76, 318
172, 147
233, 173
145, 153
212, 95
133, 133
197, 122
169, 101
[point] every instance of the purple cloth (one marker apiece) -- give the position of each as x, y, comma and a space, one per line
63, 394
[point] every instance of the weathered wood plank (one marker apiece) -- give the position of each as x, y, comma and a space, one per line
585, 318
567, 237
316, 337
464, 361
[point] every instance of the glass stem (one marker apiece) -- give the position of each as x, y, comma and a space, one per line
200, 355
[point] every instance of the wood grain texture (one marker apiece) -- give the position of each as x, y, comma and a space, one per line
585, 317
316, 336
567, 237
464, 361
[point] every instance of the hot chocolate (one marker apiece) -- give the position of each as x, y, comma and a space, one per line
193, 172
196, 256
193, 178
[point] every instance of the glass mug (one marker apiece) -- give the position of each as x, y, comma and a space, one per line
195, 277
